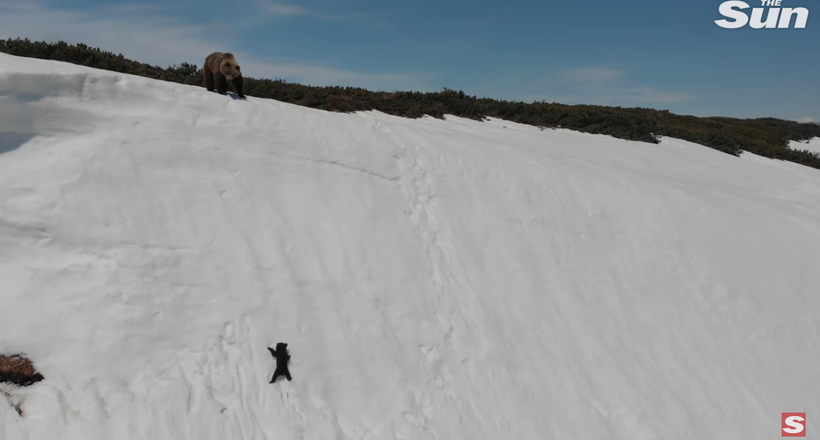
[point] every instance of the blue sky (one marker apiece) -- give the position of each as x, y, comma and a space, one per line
659, 54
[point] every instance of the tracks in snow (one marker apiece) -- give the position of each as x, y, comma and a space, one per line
419, 195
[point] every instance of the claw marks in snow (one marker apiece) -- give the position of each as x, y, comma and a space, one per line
218, 389
225, 378
438, 369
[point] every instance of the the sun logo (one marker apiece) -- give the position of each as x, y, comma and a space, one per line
776, 17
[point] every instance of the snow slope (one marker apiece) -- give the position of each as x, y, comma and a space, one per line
812, 145
433, 279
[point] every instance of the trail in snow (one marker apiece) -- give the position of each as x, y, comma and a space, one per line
434, 279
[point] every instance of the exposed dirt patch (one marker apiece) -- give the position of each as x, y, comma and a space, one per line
19, 370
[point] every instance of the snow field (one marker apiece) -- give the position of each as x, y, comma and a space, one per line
434, 279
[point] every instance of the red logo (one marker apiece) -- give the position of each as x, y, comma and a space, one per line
793, 424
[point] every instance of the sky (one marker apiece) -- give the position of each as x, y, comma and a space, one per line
657, 54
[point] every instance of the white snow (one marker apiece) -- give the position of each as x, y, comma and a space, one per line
812, 145
434, 279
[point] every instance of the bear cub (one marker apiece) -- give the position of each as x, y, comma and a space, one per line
282, 358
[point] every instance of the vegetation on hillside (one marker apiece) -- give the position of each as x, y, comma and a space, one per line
768, 137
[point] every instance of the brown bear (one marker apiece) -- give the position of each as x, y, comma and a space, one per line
220, 69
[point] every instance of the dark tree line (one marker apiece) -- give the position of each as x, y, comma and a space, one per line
767, 137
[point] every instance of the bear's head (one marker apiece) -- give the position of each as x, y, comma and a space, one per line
229, 68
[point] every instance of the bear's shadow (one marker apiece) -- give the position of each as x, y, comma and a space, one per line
235, 96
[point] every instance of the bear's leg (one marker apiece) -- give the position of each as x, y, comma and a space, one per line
221, 84
287, 375
276, 374
209, 80
238, 83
